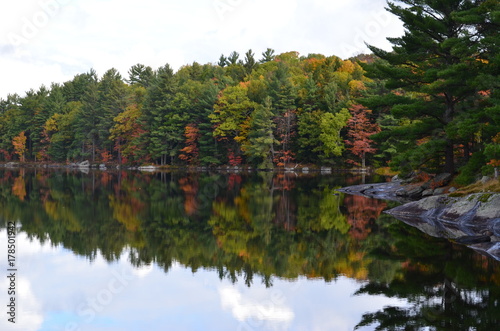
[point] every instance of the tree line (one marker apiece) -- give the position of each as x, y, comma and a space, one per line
281, 109
431, 103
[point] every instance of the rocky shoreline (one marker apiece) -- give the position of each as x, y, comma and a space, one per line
472, 220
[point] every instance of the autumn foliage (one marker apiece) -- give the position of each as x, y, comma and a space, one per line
360, 128
190, 152
19, 143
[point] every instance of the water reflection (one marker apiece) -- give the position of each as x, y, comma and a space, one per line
258, 228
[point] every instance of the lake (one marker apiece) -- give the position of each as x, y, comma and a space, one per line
124, 250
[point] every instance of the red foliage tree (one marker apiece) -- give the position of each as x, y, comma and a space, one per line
360, 128
362, 213
286, 130
190, 152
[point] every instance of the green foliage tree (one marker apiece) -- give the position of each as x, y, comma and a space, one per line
330, 125
231, 116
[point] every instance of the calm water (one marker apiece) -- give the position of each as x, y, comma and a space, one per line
177, 251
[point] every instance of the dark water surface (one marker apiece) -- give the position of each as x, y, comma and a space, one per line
207, 251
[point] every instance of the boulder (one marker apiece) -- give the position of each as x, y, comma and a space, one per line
438, 181
442, 179
401, 192
439, 191
428, 192
11, 164
485, 179
84, 164
415, 192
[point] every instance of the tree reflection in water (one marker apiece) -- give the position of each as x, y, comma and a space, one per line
266, 225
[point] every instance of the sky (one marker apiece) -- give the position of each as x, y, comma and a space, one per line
45, 41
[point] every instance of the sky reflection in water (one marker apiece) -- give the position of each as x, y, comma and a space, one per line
62, 291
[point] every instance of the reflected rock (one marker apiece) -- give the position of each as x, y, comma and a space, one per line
472, 220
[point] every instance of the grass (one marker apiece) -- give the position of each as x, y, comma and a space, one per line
493, 185
385, 171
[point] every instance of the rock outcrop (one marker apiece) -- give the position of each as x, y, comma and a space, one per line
473, 220
384, 191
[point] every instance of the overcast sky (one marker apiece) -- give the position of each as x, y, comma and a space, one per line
44, 41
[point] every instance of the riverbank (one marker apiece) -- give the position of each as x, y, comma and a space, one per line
468, 216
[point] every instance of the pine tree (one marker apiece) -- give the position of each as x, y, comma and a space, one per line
260, 144
112, 94
163, 122
432, 70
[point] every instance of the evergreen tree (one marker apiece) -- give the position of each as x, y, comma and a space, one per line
87, 132
35, 114
112, 94
222, 61
260, 145
141, 75
164, 124
267, 56
432, 70
250, 62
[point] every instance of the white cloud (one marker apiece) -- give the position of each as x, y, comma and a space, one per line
143, 271
246, 309
57, 39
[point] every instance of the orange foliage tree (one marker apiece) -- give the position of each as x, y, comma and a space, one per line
190, 152
19, 143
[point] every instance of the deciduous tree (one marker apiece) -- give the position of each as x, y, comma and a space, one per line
19, 143
360, 128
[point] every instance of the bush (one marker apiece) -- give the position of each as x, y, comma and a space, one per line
470, 171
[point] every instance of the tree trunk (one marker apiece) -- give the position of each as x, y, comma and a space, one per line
93, 150
449, 162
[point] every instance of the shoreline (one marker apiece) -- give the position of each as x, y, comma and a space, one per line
86, 166
472, 220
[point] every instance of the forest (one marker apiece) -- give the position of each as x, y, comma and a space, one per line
430, 103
